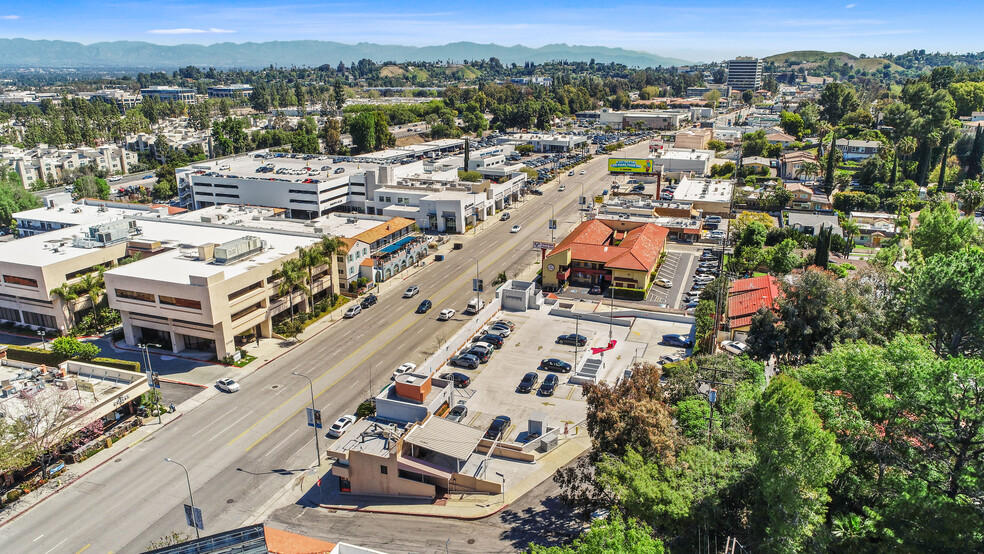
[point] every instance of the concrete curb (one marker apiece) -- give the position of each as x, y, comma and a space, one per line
414, 514
83, 474
175, 381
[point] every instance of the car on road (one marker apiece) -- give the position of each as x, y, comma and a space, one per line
549, 385
404, 368
353, 311
572, 340
147, 177
469, 361
528, 382
570, 173
457, 413
561, 188
341, 424
446, 314
583, 172
516, 229
665, 283
227, 385
553, 364
424, 307
115, 178
369, 301
460, 380
595, 289
497, 429
505, 216
412, 290
678, 340
716, 234
734, 347
537, 192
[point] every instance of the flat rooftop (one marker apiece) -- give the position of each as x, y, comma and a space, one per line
369, 437
683, 154
703, 190
244, 166
76, 214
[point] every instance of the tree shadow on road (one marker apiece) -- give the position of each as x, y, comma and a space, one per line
552, 523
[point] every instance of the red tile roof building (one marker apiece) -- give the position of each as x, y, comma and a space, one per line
747, 296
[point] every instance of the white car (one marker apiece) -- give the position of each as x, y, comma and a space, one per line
341, 424
227, 385
665, 283
405, 368
734, 347
115, 178
445, 314
516, 228
561, 188
704, 278
583, 172
411, 291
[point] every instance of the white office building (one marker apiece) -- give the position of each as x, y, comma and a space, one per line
745, 73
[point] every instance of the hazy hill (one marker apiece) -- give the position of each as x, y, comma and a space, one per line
55, 53
816, 57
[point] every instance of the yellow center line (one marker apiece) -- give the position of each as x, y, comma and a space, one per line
81, 550
505, 247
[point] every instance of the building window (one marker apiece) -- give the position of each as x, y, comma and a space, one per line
10, 314
39, 320
245, 290
133, 295
22, 281
246, 311
384, 470
180, 302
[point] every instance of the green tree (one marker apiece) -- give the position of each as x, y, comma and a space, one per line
945, 297
331, 136
469, 176
291, 277
308, 259
362, 127
67, 295
782, 258
836, 101
71, 347
792, 124
797, 460
703, 335
941, 230
971, 196
609, 535
338, 94
754, 144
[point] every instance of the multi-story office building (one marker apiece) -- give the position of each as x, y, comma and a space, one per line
170, 94
123, 99
745, 73
230, 91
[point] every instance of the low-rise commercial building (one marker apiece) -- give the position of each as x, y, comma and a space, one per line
693, 139
170, 94
621, 253
546, 142
709, 196
681, 161
124, 100
680, 219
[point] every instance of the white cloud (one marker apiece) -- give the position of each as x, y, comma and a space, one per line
9, 17
849, 6
185, 31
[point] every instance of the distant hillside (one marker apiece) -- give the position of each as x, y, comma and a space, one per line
816, 57
54, 53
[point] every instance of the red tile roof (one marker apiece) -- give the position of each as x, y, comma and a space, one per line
591, 242
748, 296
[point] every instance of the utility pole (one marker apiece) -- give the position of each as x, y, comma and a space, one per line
577, 321
552, 223
315, 417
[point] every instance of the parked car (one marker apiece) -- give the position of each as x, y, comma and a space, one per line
678, 340
570, 173
573, 340
495, 340
734, 347
369, 301
583, 172
446, 314
549, 385
553, 364
516, 229
528, 382
460, 380
480, 354
498, 428
404, 368
353, 311
501, 330
411, 291
595, 289
469, 361
507, 323
665, 283
671, 358
707, 271
341, 424
424, 307
227, 385
457, 413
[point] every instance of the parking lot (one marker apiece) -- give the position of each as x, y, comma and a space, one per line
678, 267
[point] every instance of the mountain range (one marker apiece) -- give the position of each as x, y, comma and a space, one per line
19, 52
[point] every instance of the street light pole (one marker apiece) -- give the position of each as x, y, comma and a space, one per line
317, 445
157, 398
42, 333
190, 495
478, 293
552, 223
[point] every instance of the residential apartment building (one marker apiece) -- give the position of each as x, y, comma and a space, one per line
857, 150
621, 253
170, 94
230, 91
745, 73
50, 165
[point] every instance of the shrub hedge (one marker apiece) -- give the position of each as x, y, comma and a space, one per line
33, 355
624, 293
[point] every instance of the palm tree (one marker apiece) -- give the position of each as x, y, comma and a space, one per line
971, 196
66, 293
330, 246
808, 169
94, 285
850, 229
309, 259
291, 279
905, 147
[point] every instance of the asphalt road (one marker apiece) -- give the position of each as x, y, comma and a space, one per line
244, 449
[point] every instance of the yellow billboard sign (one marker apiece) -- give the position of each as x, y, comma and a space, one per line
599, 199
630, 165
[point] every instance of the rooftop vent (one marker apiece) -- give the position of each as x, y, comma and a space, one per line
235, 250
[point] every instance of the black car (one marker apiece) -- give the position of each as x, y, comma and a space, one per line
494, 340
573, 340
537, 192
594, 290
498, 428
678, 340
482, 355
469, 361
460, 380
457, 413
369, 301
549, 385
553, 364
424, 307
529, 381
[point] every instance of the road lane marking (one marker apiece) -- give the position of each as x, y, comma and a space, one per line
214, 421
247, 414
503, 249
281, 442
81, 550
56, 546
474, 418
36, 540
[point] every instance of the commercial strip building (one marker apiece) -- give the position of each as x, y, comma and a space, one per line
663, 120
552, 143
51, 165
617, 252
709, 196
170, 94
745, 73
680, 219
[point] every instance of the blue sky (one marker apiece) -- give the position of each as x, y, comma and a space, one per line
695, 30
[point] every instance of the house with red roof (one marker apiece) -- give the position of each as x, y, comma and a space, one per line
606, 252
745, 298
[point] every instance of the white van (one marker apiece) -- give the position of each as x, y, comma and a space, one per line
475, 305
